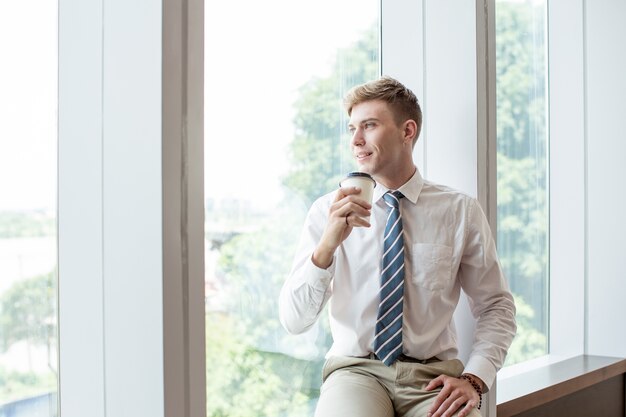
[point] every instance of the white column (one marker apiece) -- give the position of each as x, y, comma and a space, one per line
567, 177
605, 66
130, 209
80, 211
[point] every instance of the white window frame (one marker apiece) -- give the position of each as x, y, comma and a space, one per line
130, 215
129, 124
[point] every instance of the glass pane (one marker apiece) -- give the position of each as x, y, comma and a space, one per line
521, 88
28, 126
275, 140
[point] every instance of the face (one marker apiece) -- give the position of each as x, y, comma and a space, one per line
381, 147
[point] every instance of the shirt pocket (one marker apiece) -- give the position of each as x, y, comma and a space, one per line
431, 266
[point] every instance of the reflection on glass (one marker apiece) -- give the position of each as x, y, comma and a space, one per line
521, 68
275, 140
28, 105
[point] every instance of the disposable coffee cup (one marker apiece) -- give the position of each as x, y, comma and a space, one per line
362, 180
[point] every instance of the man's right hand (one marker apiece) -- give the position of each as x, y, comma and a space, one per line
347, 211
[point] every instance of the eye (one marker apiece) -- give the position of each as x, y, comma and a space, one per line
368, 125
351, 129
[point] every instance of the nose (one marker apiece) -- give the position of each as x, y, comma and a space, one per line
357, 138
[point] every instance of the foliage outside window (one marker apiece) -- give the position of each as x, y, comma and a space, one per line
299, 150
522, 168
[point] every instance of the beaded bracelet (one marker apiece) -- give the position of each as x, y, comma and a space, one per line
476, 386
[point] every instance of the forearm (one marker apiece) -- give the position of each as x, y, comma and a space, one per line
494, 333
303, 297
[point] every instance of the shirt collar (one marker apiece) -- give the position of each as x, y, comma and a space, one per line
410, 189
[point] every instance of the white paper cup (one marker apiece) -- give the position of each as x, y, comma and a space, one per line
362, 180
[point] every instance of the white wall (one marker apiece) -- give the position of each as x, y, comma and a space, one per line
110, 220
606, 174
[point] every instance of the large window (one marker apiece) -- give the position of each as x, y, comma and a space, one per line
28, 103
522, 182
275, 140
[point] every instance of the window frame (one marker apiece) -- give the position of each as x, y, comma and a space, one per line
87, 61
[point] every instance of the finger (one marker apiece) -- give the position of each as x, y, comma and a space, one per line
436, 406
467, 409
443, 407
452, 407
346, 191
355, 221
350, 208
434, 383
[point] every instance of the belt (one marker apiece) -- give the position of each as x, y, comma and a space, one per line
404, 358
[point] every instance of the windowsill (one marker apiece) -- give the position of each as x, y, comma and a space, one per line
523, 391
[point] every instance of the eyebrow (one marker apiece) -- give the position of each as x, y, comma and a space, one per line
369, 119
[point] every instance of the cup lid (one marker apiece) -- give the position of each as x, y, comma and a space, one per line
360, 174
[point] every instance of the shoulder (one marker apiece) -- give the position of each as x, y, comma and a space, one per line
446, 193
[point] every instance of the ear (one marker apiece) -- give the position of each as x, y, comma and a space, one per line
410, 130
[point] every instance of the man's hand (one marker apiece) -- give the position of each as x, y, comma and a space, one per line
456, 394
347, 211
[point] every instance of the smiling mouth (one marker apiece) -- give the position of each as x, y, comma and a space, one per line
362, 155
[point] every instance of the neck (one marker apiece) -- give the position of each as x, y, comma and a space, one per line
398, 179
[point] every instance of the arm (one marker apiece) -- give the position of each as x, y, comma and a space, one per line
308, 289
490, 300
492, 304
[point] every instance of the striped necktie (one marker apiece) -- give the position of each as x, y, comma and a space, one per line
388, 338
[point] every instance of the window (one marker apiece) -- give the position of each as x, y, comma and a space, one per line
522, 168
28, 107
275, 140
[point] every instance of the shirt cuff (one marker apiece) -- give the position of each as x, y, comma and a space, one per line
319, 278
483, 369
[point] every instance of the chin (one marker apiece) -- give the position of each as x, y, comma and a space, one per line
364, 168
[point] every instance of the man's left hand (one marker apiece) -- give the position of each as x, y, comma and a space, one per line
456, 394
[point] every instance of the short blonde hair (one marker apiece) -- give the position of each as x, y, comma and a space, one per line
401, 100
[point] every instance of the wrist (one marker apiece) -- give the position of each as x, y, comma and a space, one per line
477, 380
322, 259
477, 384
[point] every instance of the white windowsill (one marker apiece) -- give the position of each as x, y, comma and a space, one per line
523, 387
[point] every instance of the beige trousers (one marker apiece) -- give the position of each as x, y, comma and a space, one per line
361, 387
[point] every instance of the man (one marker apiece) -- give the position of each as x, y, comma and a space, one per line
392, 273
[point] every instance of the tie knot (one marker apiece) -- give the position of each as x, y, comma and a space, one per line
392, 198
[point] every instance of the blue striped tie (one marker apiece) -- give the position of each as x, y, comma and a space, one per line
388, 338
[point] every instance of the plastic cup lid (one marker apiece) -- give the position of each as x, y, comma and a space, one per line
360, 174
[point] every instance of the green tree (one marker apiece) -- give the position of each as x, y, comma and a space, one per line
319, 153
28, 313
26, 224
255, 264
522, 168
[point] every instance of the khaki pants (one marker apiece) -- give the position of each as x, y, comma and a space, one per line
361, 387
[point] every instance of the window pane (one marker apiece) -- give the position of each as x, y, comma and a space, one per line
521, 68
275, 140
28, 107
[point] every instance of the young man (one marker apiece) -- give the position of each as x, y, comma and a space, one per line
392, 273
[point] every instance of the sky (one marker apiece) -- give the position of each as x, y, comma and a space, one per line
256, 59
28, 104
257, 54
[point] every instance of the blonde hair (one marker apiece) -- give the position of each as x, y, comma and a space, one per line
402, 102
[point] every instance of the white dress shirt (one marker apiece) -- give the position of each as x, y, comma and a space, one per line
448, 246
